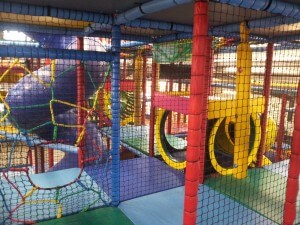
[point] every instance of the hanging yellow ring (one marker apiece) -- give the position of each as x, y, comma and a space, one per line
167, 157
212, 137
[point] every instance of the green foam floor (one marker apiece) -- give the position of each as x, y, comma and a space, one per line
262, 191
142, 143
139, 143
137, 137
103, 216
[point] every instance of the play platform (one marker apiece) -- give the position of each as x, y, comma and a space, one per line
136, 139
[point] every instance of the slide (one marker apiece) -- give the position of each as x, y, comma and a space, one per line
32, 98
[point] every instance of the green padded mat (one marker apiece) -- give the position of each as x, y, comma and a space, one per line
142, 143
139, 143
262, 191
103, 216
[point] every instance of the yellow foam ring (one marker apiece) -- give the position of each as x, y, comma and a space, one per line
106, 109
217, 138
42, 20
8, 69
172, 162
68, 104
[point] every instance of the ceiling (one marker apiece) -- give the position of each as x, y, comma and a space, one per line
219, 14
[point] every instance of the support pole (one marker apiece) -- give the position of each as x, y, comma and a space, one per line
170, 116
292, 187
195, 157
36, 159
138, 74
211, 68
115, 111
280, 133
186, 88
144, 89
124, 74
152, 110
178, 114
50, 158
80, 103
243, 91
206, 92
267, 88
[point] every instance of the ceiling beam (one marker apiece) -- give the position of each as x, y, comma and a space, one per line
276, 7
147, 8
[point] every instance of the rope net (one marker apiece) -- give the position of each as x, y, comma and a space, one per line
52, 150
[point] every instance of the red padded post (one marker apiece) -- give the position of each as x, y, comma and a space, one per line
80, 103
280, 133
267, 88
152, 111
292, 187
144, 81
198, 89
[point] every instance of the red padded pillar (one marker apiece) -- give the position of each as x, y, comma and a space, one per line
292, 187
198, 89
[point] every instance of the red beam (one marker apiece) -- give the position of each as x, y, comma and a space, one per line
280, 133
170, 102
267, 88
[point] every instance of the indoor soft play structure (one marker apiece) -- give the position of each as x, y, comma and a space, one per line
150, 112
